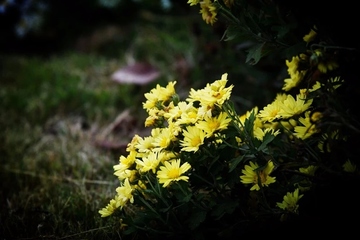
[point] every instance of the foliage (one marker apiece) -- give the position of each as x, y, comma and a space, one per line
208, 171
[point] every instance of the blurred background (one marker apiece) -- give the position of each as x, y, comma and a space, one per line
72, 80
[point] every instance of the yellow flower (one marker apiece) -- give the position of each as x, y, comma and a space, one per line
324, 65
291, 107
172, 171
328, 65
259, 133
193, 139
127, 173
178, 110
315, 87
145, 145
158, 94
131, 146
188, 117
149, 162
307, 129
111, 207
193, 2
316, 116
271, 111
310, 170
336, 82
289, 124
296, 75
125, 162
213, 94
210, 125
125, 193
310, 36
259, 178
290, 201
208, 12
163, 140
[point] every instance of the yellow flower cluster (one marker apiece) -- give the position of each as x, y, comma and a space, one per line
184, 130
181, 125
317, 57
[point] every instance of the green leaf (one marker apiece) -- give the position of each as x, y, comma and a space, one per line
227, 206
196, 218
182, 193
255, 53
234, 162
234, 31
268, 138
281, 31
249, 123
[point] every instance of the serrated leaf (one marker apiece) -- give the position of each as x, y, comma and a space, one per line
255, 53
249, 123
225, 207
281, 31
196, 218
230, 33
268, 138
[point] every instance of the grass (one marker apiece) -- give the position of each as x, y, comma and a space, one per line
59, 138
54, 178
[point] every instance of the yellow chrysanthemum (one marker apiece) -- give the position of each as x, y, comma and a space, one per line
149, 162
131, 146
271, 111
290, 201
188, 117
111, 207
307, 129
127, 173
336, 82
176, 112
172, 171
125, 162
125, 193
310, 36
213, 94
258, 178
159, 94
315, 87
291, 107
210, 125
193, 2
295, 74
193, 139
259, 133
219, 92
208, 12
323, 64
289, 124
163, 140
145, 145
310, 170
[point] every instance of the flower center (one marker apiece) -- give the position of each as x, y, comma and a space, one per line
273, 113
195, 141
173, 173
262, 176
214, 125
